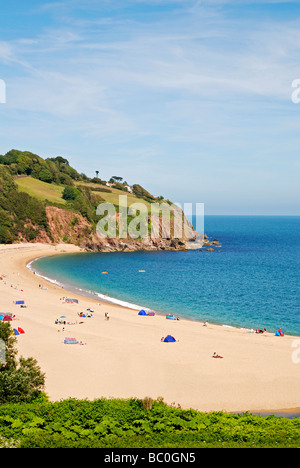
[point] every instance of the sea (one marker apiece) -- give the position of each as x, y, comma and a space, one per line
251, 280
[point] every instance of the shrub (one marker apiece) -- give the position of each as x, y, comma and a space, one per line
19, 380
70, 193
125, 423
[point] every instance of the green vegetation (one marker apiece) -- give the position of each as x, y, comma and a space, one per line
140, 192
134, 423
70, 193
41, 190
113, 197
19, 212
49, 170
20, 381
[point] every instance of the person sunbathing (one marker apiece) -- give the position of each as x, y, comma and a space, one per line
215, 355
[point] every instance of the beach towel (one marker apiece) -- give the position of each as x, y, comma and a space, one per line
70, 341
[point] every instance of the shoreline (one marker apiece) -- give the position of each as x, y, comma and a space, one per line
85, 293
99, 297
133, 361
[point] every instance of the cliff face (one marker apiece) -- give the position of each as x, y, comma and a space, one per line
68, 227
48, 201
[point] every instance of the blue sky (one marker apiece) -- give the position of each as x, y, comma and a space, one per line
191, 99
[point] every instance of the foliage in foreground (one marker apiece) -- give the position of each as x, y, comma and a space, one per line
20, 380
134, 423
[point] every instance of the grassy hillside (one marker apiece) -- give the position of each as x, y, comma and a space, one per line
41, 190
54, 193
111, 195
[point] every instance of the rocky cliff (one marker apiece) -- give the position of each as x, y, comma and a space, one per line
68, 227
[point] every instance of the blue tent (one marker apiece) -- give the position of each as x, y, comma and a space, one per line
142, 312
169, 339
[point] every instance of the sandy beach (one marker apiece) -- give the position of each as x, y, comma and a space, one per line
124, 356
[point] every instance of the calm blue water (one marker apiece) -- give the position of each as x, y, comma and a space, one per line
251, 281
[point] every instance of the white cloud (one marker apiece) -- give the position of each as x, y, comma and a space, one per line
6, 51
197, 87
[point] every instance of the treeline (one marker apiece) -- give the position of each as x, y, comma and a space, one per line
56, 170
